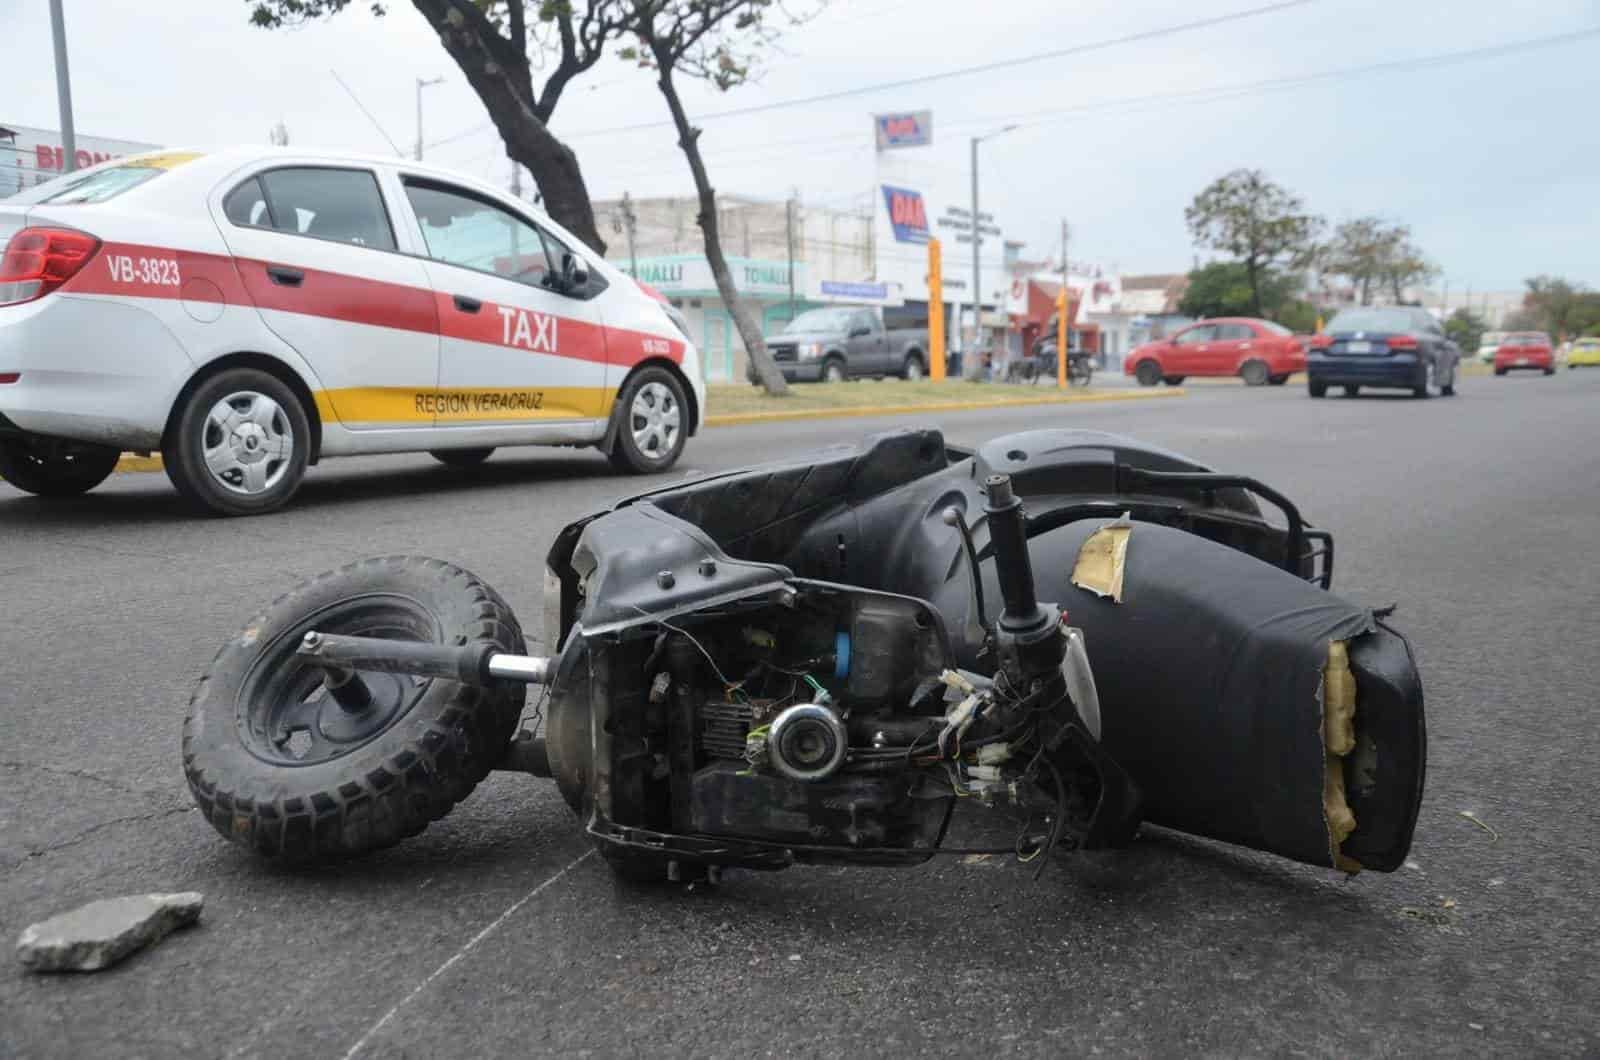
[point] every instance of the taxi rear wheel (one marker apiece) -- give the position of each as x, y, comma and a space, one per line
240, 443
461, 457
654, 423
48, 467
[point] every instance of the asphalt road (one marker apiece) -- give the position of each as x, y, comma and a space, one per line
494, 933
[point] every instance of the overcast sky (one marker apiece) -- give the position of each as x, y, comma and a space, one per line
1494, 162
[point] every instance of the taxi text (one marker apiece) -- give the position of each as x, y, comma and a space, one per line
531, 331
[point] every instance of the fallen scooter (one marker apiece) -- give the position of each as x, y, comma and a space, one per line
824, 660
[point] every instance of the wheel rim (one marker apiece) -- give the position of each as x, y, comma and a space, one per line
284, 712
655, 420
833, 373
1255, 373
913, 369
247, 443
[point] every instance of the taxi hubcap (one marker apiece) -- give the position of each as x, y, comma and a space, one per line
655, 420
247, 443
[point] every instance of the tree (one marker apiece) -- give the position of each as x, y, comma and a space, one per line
719, 42
1560, 307
1257, 222
1465, 328
1222, 289
1373, 253
491, 41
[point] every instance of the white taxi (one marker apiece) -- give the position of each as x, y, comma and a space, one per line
251, 311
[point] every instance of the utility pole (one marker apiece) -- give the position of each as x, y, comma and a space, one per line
69, 136
630, 224
421, 84
788, 209
969, 368
977, 295
1063, 347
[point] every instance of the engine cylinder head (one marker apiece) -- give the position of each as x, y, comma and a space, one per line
807, 742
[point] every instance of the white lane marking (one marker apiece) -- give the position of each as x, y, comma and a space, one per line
372, 1031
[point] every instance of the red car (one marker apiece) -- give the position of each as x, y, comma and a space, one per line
1525, 349
1258, 351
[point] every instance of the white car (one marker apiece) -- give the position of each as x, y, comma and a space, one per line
248, 312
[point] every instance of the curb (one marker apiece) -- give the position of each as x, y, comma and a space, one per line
133, 462
734, 419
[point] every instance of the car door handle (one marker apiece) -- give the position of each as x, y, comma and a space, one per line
467, 305
284, 276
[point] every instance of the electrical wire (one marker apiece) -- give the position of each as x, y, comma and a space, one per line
966, 71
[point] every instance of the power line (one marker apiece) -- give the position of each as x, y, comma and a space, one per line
966, 71
357, 101
1214, 93
923, 79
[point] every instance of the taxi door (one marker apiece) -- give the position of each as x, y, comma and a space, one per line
516, 348
315, 246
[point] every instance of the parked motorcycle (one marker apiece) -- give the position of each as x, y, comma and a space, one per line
825, 659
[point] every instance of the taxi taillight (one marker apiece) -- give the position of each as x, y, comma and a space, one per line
38, 260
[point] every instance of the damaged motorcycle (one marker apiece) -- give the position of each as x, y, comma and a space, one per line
825, 659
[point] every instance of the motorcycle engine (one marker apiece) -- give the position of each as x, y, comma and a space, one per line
787, 724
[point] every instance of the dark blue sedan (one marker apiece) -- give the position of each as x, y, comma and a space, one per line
1397, 347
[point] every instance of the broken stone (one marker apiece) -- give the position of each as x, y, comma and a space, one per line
102, 933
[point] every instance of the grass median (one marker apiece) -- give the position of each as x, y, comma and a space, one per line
732, 403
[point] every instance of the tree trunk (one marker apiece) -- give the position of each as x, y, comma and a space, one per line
1253, 271
766, 369
1366, 290
507, 94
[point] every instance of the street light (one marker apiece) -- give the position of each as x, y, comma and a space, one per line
69, 139
977, 292
421, 84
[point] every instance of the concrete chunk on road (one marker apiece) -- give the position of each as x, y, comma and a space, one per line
102, 933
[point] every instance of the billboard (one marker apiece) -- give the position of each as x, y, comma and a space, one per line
31, 156
911, 128
907, 214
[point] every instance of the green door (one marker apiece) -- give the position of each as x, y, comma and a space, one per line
717, 350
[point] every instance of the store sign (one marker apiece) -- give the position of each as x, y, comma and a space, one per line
859, 291
692, 275
907, 214
912, 128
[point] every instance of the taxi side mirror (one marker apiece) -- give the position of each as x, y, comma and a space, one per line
574, 276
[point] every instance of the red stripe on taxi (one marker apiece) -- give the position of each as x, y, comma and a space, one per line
142, 271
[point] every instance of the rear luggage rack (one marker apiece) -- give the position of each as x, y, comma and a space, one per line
1307, 553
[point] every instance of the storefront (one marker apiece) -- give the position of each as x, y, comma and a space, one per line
687, 282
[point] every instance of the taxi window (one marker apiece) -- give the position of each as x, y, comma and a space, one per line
1195, 336
343, 205
102, 184
462, 229
247, 205
105, 181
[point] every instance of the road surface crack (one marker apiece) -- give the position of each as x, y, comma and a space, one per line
82, 774
94, 829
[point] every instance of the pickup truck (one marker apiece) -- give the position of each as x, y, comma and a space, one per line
845, 342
